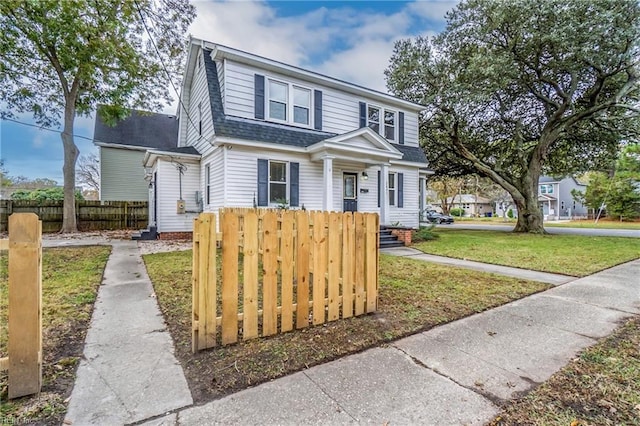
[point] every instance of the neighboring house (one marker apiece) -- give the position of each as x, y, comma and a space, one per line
257, 132
473, 205
122, 149
555, 199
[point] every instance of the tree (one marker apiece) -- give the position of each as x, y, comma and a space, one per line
89, 171
446, 188
619, 191
43, 194
513, 91
61, 58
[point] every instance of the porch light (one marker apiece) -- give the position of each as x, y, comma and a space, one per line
365, 176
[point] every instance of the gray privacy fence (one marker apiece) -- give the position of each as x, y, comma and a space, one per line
91, 215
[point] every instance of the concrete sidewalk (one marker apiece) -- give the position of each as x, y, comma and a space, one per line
129, 371
454, 374
545, 277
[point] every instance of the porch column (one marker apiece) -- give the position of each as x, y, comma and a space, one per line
384, 194
327, 177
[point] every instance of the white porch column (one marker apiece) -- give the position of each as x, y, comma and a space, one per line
384, 194
327, 177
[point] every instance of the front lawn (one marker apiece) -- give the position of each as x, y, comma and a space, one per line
413, 296
600, 387
70, 280
563, 254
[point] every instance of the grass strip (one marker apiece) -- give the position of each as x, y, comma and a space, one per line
413, 296
573, 255
70, 280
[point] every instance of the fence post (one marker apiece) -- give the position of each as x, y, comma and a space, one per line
25, 304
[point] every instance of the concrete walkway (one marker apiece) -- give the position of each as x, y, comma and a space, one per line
458, 373
129, 372
545, 277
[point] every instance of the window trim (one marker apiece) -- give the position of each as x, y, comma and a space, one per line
289, 105
381, 123
286, 182
293, 105
393, 201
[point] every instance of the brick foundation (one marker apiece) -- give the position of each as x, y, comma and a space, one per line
175, 235
403, 235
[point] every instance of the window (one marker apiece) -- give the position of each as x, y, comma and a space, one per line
543, 189
277, 181
207, 177
392, 189
373, 118
549, 189
389, 124
301, 105
382, 121
278, 97
562, 205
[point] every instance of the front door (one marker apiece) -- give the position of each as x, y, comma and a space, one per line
350, 192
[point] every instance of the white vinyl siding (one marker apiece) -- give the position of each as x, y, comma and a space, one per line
198, 105
168, 182
340, 110
408, 214
221, 68
122, 175
215, 163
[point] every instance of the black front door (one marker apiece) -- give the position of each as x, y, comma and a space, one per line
350, 192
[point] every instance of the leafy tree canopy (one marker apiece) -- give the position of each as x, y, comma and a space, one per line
513, 90
61, 58
43, 194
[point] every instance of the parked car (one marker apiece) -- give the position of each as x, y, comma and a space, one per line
435, 217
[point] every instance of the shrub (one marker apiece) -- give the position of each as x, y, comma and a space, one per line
458, 212
510, 213
425, 233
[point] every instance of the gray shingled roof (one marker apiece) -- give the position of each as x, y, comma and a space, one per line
140, 129
240, 128
182, 150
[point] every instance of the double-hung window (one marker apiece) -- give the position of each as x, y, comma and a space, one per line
392, 189
289, 103
389, 124
382, 121
278, 100
373, 118
301, 105
277, 182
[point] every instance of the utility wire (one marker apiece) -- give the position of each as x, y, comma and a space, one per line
186, 111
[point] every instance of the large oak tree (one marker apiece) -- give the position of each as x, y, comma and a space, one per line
61, 58
514, 89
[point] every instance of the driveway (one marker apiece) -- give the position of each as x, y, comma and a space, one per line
631, 233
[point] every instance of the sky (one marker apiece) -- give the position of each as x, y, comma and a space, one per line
349, 40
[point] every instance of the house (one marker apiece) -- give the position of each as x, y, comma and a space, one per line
555, 198
473, 205
256, 132
122, 149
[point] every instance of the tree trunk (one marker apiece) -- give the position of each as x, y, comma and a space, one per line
529, 213
69, 171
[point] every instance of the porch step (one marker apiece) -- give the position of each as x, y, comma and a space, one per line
388, 240
146, 234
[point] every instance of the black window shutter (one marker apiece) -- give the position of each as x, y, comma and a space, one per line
317, 109
294, 186
400, 190
401, 128
379, 186
363, 114
263, 182
259, 96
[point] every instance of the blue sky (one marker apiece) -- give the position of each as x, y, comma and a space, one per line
350, 40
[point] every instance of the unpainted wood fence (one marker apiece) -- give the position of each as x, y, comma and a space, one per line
276, 270
90, 215
24, 362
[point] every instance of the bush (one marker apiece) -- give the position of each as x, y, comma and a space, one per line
510, 213
458, 212
43, 194
425, 233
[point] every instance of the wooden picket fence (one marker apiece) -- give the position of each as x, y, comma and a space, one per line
280, 269
24, 362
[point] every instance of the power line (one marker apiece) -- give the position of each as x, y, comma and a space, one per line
49, 129
186, 111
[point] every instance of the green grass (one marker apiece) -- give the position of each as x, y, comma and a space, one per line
563, 254
602, 224
413, 296
70, 279
600, 387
